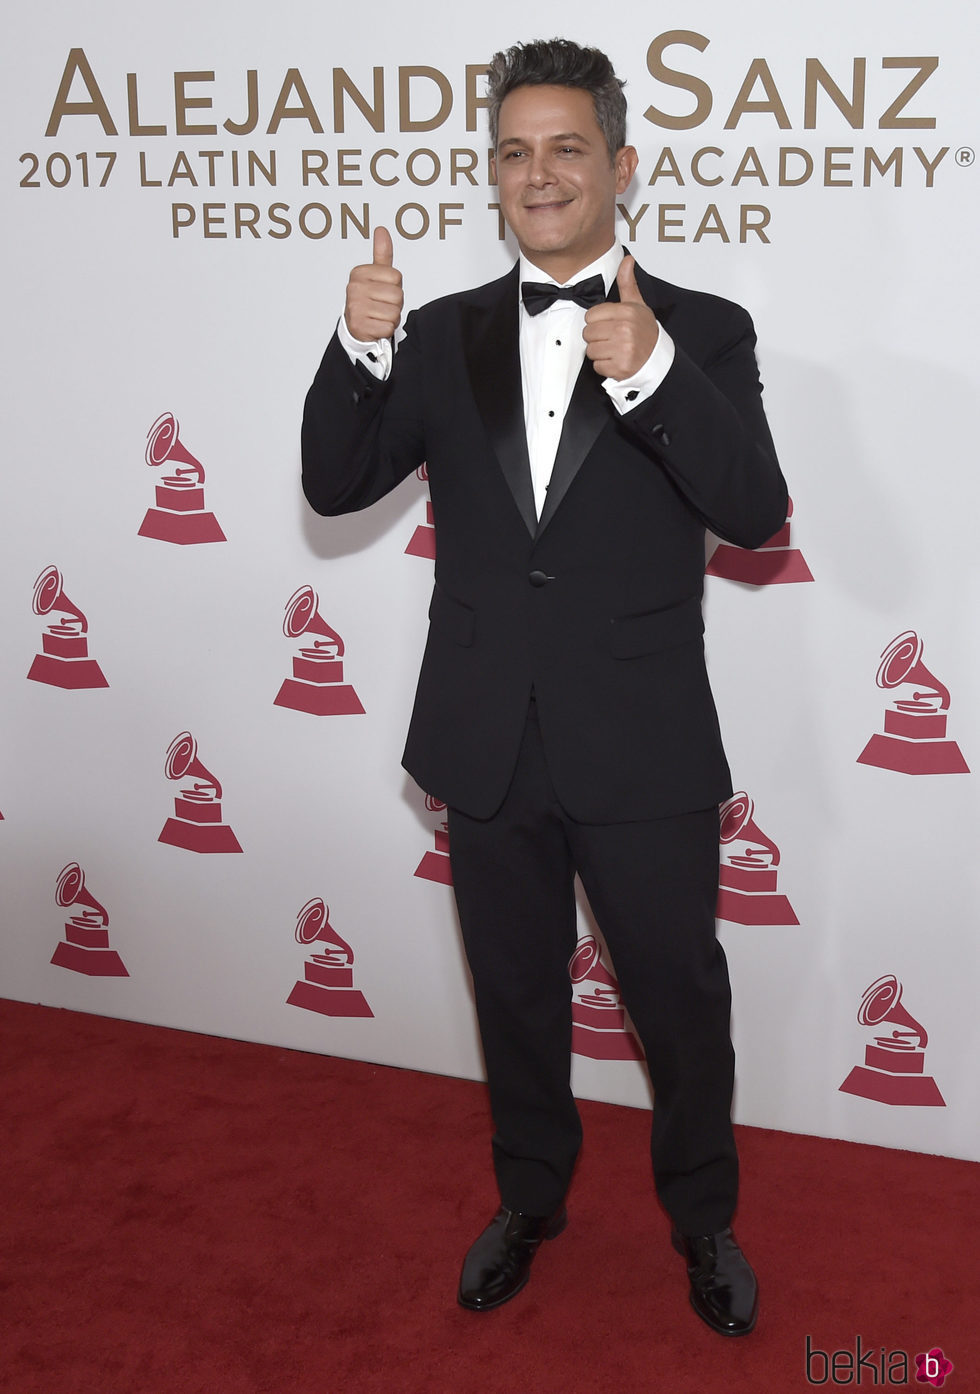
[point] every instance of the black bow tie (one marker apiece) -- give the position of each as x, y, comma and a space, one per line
541, 295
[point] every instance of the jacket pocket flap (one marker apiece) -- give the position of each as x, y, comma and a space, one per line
633, 635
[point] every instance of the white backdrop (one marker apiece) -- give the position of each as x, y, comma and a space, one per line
129, 295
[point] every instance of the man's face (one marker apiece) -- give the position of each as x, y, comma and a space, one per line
558, 187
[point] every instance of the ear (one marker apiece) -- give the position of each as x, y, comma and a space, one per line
493, 167
625, 165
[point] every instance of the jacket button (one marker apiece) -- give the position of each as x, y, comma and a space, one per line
538, 578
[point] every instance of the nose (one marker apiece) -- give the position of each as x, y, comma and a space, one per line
539, 171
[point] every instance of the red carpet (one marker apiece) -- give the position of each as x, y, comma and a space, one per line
184, 1213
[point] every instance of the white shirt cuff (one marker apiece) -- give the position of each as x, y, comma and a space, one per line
630, 392
375, 356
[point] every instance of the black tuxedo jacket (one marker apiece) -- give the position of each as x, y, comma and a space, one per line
598, 605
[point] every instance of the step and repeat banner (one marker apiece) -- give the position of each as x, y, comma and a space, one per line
205, 687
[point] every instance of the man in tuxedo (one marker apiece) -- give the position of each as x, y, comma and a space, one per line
582, 424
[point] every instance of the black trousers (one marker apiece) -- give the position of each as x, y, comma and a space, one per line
653, 888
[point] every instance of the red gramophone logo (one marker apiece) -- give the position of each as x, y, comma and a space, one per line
317, 685
328, 982
774, 563
196, 825
180, 515
747, 875
423, 539
434, 866
599, 1029
914, 739
85, 947
894, 1065
64, 660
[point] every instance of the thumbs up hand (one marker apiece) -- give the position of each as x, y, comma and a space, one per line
620, 338
629, 291
374, 293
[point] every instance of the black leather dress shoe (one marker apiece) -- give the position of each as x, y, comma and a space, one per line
724, 1291
499, 1263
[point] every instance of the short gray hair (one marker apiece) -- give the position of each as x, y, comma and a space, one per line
559, 63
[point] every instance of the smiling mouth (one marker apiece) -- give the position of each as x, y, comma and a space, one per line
544, 207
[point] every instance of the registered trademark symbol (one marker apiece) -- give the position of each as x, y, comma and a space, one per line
964, 156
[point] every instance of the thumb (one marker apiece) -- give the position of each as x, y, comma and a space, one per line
384, 252
629, 291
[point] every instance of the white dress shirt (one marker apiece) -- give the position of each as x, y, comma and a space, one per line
552, 352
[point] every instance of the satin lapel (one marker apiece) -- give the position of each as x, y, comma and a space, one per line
654, 292
589, 410
493, 360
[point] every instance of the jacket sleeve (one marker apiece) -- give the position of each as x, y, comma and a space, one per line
361, 436
706, 426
